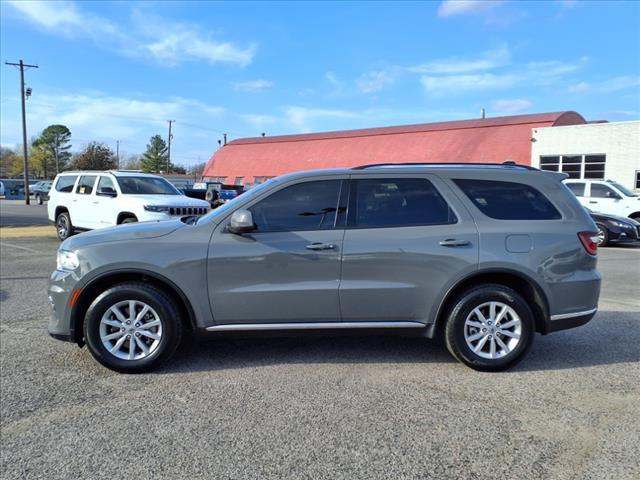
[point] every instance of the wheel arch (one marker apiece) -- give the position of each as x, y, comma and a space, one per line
98, 284
124, 215
518, 281
60, 209
634, 215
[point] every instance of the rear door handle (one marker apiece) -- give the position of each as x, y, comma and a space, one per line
320, 246
452, 242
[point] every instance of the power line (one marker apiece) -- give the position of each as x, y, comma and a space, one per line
23, 94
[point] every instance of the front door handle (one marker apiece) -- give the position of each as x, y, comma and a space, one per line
452, 242
592, 201
320, 246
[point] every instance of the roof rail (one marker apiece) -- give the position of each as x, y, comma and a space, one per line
507, 164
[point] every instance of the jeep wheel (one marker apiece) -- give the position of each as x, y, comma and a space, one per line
64, 227
489, 328
39, 199
132, 327
129, 220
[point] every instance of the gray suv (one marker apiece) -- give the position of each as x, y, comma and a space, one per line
483, 255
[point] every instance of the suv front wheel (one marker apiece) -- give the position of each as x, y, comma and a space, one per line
489, 328
132, 327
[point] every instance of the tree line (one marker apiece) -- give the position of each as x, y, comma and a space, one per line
50, 153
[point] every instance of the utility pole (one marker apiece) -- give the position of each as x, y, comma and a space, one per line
118, 154
169, 146
22, 66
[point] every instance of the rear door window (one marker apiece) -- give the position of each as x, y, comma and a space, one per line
397, 202
65, 183
576, 188
304, 206
508, 200
85, 185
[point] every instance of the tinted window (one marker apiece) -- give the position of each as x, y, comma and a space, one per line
85, 185
397, 202
146, 186
508, 200
65, 184
106, 182
576, 188
602, 191
304, 206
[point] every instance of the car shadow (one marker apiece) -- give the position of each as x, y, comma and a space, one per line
611, 338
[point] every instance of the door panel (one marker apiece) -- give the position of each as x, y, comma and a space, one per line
288, 270
107, 207
397, 273
84, 213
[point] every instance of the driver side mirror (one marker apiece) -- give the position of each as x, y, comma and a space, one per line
107, 192
613, 195
241, 222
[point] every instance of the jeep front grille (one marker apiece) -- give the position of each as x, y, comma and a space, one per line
188, 210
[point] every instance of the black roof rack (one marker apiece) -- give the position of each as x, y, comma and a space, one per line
507, 164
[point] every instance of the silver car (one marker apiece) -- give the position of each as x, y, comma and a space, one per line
483, 255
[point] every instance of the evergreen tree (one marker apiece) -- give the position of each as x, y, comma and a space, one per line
155, 159
52, 147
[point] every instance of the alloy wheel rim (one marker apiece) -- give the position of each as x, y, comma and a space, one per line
600, 235
62, 226
130, 330
492, 330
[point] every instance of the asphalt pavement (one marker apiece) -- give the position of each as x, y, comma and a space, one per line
319, 407
14, 213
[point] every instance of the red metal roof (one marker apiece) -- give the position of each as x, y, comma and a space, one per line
479, 140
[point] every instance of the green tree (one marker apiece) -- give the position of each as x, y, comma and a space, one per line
155, 159
95, 156
10, 163
53, 144
178, 169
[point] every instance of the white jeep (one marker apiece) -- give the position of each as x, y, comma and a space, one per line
91, 199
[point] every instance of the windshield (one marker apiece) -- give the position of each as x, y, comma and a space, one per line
624, 190
146, 186
231, 203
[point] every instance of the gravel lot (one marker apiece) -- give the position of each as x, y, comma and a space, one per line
319, 407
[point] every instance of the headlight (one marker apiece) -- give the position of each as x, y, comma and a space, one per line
67, 260
621, 225
156, 208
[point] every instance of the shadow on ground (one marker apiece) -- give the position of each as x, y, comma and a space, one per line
611, 338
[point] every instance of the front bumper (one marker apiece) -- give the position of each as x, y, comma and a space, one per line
61, 288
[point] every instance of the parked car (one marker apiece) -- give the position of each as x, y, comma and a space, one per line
607, 197
612, 229
485, 256
89, 200
1, 189
40, 191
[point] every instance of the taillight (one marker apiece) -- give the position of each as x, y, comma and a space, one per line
589, 242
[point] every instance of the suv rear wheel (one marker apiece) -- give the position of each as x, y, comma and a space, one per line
64, 227
132, 327
489, 328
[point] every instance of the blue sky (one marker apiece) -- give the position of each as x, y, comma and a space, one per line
118, 71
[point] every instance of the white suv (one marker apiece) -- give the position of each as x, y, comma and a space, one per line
90, 199
606, 197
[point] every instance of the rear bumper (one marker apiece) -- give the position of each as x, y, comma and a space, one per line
570, 320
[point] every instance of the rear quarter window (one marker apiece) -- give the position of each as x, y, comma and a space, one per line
508, 200
65, 183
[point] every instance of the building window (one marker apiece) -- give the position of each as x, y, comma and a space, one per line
239, 181
576, 166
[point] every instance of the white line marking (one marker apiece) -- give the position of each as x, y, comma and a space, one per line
26, 249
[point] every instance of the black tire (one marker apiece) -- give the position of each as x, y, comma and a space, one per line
129, 220
603, 234
159, 301
463, 307
64, 227
39, 199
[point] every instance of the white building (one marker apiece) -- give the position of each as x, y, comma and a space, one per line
608, 151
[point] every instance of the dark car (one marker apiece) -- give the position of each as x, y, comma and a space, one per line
615, 229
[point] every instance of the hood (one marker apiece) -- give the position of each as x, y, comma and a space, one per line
126, 232
606, 216
169, 200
